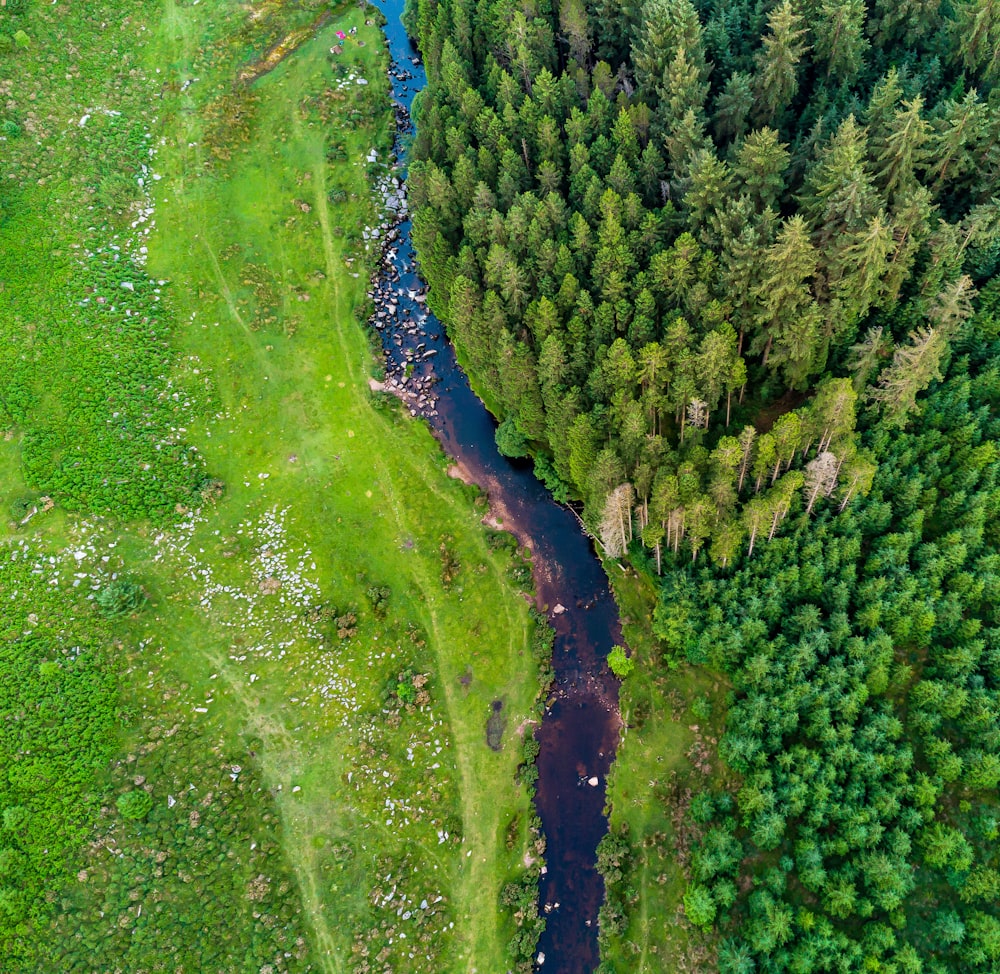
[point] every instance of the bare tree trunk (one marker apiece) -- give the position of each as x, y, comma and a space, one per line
847, 496
659, 570
753, 538
812, 499
729, 402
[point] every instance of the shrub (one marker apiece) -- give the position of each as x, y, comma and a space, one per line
15, 818
621, 665
135, 805
699, 906
121, 597
510, 440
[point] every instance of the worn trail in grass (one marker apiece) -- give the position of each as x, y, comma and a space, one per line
272, 319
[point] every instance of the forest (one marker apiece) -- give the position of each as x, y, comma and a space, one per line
682, 247
724, 270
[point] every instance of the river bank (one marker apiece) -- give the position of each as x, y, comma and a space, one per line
580, 729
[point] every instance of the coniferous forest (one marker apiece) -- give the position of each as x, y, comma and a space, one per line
724, 269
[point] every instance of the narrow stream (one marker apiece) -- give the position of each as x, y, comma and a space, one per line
579, 733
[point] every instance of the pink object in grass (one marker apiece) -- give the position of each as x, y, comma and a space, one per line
341, 35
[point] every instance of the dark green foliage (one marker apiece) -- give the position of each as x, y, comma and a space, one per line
651, 227
614, 856
510, 440
378, 596
543, 638
864, 723
61, 704
120, 597
520, 896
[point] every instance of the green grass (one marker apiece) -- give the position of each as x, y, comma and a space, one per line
666, 755
261, 366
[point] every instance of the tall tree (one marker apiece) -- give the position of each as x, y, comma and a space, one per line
788, 317
777, 63
914, 366
840, 39
820, 478
761, 163
667, 26
616, 521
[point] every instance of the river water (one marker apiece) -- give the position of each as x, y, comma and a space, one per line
579, 732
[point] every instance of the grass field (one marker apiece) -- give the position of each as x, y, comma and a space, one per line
673, 719
325, 613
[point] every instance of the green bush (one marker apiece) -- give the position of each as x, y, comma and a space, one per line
120, 597
699, 906
15, 818
510, 440
135, 805
621, 665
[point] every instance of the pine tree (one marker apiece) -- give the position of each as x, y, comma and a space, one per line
788, 317
575, 30
746, 440
976, 30
709, 187
905, 152
958, 128
787, 436
777, 63
666, 27
857, 275
905, 21
914, 366
839, 31
834, 410
717, 356
757, 516
761, 163
857, 476
779, 498
839, 194
733, 107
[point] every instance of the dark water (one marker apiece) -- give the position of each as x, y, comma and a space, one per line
580, 730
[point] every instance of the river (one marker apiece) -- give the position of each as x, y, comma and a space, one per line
579, 732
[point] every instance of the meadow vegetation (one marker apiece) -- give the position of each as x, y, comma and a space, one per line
252, 631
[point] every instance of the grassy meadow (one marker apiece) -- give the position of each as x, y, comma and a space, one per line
184, 404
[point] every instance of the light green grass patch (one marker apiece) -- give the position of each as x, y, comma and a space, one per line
666, 755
